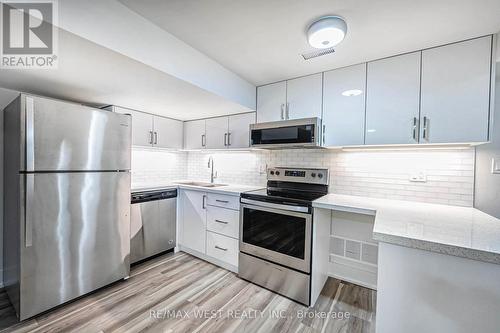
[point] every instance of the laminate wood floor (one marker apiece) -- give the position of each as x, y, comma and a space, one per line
181, 293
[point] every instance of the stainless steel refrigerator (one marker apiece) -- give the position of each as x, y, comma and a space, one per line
66, 201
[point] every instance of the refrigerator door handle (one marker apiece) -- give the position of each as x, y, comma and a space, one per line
30, 135
28, 218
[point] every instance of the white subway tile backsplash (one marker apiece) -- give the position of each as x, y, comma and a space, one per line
381, 174
156, 167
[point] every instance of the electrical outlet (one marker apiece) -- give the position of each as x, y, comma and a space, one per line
495, 165
419, 177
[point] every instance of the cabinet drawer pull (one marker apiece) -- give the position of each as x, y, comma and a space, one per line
220, 248
221, 201
223, 222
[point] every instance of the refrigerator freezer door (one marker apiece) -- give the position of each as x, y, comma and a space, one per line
62, 136
75, 236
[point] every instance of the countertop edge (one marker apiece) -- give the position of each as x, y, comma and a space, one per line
232, 190
344, 208
441, 248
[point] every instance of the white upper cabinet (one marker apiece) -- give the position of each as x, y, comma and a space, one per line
239, 130
271, 102
153, 131
455, 97
303, 96
344, 106
393, 97
168, 133
142, 127
216, 131
194, 134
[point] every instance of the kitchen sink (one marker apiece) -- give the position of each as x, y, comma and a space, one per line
201, 184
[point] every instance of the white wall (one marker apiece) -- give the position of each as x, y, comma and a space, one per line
381, 174
487, 191
6, 96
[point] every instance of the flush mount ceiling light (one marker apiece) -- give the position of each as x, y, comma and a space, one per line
353, 92
326, 32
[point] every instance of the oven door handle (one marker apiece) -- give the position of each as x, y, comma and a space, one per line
301, 209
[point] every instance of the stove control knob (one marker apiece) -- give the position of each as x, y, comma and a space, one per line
277, 173
313, 174
272, 172
320, 175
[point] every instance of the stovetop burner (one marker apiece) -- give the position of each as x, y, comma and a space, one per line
292, 186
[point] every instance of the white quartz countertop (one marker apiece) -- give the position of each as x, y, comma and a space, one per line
229, 189
460, 231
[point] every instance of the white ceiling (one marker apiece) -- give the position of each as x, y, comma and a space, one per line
94, 75
261, 40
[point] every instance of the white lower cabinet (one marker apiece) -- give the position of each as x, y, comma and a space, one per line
194, 220
222, 248
209, 225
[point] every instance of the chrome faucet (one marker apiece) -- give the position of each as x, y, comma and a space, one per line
211, 166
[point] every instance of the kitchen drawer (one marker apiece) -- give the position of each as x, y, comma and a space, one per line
221, 200
222, 248
223, 221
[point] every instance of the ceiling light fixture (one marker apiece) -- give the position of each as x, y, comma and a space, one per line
326, 32
353, 92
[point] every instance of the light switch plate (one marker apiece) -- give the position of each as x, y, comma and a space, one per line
263, 168
418, 177
495, 165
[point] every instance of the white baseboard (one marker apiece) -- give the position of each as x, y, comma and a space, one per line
353, 274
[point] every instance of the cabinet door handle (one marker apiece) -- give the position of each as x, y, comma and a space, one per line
282, 111
203, 140
203, 202
223, 222
222, 201
156, 138
323, 134
425, 133
225, 139
287, 111
415, 129
28, 210
220, 248
150, 137
229, 138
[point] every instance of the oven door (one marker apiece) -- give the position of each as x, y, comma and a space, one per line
277, 235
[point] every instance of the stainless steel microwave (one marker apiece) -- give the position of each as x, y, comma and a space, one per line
299, 133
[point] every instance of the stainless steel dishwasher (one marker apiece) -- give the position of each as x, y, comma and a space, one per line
152, 223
